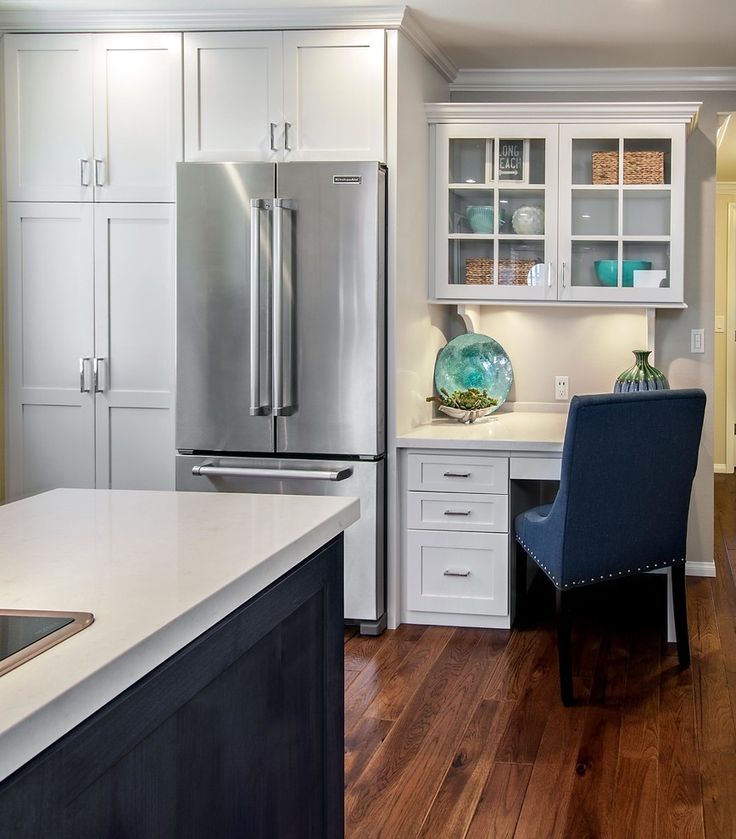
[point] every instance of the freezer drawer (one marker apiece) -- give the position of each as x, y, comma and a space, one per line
364, 540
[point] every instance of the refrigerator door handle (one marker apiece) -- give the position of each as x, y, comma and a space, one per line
208, 468
282, 325
258, 406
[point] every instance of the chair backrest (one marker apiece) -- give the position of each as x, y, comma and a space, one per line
628, 464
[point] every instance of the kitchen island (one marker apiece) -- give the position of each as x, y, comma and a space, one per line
206, 698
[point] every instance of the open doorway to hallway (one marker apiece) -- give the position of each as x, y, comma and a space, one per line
725, 307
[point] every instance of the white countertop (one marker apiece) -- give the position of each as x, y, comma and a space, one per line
513, 431
156, 568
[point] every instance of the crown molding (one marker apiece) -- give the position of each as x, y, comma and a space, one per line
555, 112
662, 79
337, 17
414, 32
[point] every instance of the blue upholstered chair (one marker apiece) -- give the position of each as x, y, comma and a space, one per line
628, 464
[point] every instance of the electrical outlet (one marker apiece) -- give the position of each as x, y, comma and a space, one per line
561, 387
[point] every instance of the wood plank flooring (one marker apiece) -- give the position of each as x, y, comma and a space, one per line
460, 733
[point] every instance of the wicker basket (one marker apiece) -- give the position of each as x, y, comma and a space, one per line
640, 167
479, 271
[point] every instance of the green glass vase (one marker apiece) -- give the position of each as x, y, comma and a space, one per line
642, 376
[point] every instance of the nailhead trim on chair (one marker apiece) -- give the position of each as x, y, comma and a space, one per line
602, 577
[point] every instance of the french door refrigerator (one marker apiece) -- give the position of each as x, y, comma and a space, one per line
280, 343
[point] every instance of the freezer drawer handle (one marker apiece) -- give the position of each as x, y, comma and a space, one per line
208, 469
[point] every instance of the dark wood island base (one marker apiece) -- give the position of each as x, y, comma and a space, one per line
240, 734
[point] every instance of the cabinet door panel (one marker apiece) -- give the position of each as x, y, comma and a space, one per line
138, 116
233, 91
334, 95
48, 117
50, 329
134, 317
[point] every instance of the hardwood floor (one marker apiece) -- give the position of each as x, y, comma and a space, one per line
460, 733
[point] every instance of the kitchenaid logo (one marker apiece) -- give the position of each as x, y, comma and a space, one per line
347, 179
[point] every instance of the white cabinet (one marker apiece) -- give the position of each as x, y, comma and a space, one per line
579, 207
301, 95
90, 346
48, 117
456, 539
92, 117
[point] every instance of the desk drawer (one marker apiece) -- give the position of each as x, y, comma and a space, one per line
458, 511
460, 573
458, 473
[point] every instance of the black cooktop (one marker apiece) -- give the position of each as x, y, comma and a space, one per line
25, 634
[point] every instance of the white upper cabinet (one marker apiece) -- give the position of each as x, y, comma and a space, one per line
577, 207
48, 117
137, 116
334, 101
233, 83
270, 96
93, 117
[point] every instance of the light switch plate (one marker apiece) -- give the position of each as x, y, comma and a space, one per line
720, 323
697, 340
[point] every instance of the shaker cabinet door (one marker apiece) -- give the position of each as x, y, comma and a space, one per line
334, 101
138, 116
134, 353
233, 94
48, 117
50, 343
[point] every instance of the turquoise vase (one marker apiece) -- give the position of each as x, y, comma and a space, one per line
642, 376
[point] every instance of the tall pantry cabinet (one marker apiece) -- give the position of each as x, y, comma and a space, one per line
93, 128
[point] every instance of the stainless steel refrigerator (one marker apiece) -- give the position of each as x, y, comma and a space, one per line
280, 343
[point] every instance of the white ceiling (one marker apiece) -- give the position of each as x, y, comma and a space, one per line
526, 33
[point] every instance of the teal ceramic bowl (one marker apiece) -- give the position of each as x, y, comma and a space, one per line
607, 270
480, 218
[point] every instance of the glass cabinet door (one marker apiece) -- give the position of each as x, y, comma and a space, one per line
496, 212
621, 218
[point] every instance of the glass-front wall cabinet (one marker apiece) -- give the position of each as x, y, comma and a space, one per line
621, 222
496, 211
561, 211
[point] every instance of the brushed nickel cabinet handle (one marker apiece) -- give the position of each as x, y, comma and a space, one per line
457, 474
449, 572
457, 512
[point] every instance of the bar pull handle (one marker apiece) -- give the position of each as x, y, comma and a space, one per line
83, 386
282, 312
208, 469
99, 172
84, 171
457, 512
257, 406
550, 269
287, 128
564, 266
272, 136
453, 572
96, 374
457, 474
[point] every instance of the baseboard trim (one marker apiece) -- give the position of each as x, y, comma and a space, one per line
700, 569
720, 469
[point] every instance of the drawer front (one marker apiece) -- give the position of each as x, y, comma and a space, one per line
536, 468
458, 511
461, 573
458, 473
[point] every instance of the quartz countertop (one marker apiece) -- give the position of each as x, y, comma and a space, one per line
512, 431
157, 569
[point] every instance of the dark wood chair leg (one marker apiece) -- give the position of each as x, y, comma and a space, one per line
679, 606
521, 610
563, 648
